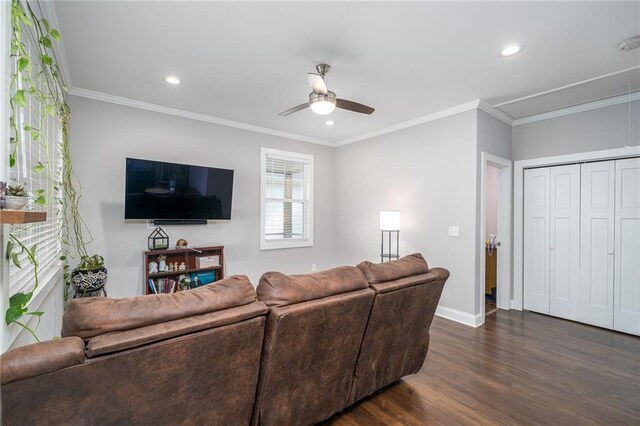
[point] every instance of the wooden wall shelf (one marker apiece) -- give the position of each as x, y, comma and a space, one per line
21, 216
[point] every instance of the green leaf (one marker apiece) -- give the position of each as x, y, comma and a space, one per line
22, 63
50, 109
12, 160
41, 201
17, 306
15, 260
39, 192
39, 168
35, 134
27, 127
9, 248
63, 258
20, 98
24, 19
35, 313
46, 24
33, 250
13, 314
46, 59
55, 34
46, 42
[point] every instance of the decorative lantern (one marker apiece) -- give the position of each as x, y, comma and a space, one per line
158, 240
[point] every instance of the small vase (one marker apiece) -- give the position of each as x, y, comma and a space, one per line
15, 203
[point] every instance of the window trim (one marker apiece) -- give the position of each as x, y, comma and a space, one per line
293, 242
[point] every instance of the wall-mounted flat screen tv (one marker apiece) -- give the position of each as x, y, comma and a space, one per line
169, 191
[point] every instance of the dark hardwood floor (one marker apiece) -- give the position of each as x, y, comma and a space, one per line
520, 368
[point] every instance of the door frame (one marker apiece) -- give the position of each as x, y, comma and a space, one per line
504, 166
518, 202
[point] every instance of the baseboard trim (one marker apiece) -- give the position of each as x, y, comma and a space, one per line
460, 316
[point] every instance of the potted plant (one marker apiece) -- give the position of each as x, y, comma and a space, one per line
89, 277
16, 197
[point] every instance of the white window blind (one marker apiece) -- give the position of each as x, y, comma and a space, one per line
34, 152
287, 199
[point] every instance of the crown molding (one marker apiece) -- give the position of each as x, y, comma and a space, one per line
133, 103
495, 112
411, 123
602, 103
48, 12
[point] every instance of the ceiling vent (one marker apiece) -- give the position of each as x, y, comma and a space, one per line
629, 44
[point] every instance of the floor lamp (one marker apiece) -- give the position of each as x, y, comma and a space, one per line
389, 225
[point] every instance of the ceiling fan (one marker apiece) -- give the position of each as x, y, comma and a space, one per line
323, 101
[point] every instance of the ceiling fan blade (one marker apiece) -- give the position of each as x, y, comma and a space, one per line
354, 106
294, 109
317, 83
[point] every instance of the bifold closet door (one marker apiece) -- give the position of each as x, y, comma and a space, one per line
597, 243
564, 241
626, 315
536, 240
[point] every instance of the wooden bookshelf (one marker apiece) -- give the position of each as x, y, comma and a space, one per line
189, 257
21, 216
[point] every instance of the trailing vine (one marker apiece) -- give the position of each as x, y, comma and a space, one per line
36, 84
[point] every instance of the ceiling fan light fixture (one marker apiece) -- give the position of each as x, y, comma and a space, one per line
322, 104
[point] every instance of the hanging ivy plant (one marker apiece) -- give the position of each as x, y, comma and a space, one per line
36, 84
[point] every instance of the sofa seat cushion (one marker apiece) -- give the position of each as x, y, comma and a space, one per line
413, 264
99, 315
40, 358
129, 339
277, 289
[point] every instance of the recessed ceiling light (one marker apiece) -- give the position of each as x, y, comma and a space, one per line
511, 50
329, 123
172, 80
630, 44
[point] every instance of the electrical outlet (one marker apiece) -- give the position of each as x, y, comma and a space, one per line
454, 231
314, 267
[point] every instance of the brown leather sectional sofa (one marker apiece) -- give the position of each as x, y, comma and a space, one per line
300, 350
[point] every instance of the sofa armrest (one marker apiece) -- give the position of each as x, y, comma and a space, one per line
40, 358
434, 274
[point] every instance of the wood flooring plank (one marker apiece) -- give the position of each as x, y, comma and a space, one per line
518, 368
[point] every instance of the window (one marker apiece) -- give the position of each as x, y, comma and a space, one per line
32, 154
286, 191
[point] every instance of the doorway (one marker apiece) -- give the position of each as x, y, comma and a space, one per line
495, 235
491, 249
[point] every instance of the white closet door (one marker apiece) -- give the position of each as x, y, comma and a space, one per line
536, 240
626, 315
596, 252
564, 241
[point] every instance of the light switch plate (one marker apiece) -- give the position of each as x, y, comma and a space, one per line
454, 231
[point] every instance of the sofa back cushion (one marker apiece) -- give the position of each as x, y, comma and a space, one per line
277, 289
89, 317
407, 266
311, 346
397, 336
206, 377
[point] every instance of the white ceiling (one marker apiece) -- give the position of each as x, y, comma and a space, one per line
246, 61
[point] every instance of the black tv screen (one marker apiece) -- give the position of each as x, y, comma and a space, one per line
158, 190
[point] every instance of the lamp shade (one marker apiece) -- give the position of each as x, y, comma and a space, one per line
389, 220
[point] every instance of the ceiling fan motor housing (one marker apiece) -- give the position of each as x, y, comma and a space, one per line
319, 97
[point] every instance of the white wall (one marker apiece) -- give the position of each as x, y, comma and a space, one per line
103, 134
604, 128
428, 172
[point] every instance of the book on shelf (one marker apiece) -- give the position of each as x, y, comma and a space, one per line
162, 285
